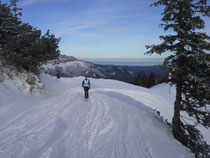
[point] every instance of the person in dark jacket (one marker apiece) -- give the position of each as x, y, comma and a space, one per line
86, 86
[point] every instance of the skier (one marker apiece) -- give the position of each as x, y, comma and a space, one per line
86, 86
58, 76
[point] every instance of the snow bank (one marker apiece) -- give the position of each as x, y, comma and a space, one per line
19, 79
13, 103
16, 87
168, 109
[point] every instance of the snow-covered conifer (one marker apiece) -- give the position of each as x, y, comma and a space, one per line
190, 65
8, 31
21, 44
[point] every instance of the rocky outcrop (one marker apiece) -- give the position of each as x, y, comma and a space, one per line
19, 79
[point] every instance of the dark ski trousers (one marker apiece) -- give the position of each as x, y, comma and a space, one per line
86, 89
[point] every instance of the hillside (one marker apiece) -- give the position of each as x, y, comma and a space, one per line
115, 122
68, 66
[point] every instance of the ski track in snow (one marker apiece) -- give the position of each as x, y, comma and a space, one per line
105, 126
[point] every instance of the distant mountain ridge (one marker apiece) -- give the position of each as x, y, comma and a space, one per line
65, 58
69, 66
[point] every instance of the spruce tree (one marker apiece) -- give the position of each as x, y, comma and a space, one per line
151, 79
144, 80
9, 28
21, 44
15, 9
190, 65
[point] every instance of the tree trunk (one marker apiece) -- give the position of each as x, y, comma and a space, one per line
176, 123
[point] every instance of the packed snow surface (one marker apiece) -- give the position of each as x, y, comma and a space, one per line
117, 121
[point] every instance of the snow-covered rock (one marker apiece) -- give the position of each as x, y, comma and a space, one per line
20, 80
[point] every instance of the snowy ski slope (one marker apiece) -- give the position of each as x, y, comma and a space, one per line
116, 122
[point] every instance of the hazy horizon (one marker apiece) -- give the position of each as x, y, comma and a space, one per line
122, 59
125, 61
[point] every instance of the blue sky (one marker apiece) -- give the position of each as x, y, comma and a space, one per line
98, 28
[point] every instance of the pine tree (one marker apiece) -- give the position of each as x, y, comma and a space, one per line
21, 44
8, 31
144, 80
15, 9
137, 80
190, 64
151, 79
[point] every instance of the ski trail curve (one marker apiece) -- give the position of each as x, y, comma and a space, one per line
108, 125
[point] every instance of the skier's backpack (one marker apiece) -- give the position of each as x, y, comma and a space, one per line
86, 83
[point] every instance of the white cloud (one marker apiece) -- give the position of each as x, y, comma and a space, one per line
29, 2
98, 18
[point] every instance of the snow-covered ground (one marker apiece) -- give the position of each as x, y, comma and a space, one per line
167, 112
118, 121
